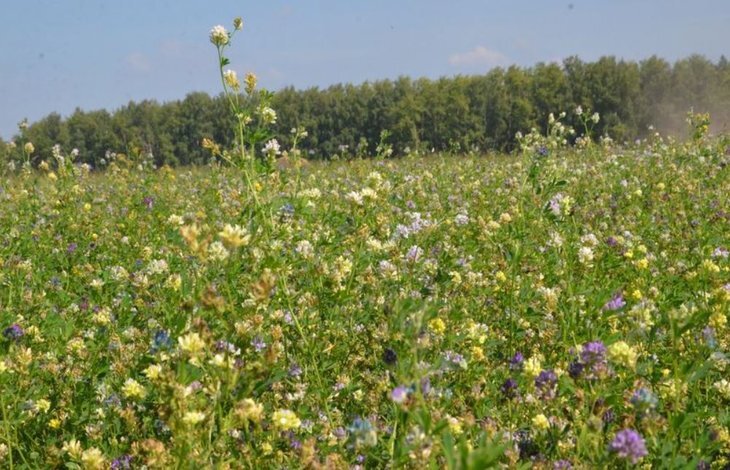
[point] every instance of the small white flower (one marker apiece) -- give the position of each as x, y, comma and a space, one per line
272, 147
219, 35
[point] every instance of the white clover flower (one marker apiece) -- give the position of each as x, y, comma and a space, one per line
585, 255
219, 35
217, 251
595, 118
579, 110
461, 219
272, 147
723, 388
354, 197
305, 249
268, 115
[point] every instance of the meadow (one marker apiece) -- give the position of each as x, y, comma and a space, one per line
561, 306
556, 308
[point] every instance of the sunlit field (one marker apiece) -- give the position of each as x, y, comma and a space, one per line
555, 307
563, 305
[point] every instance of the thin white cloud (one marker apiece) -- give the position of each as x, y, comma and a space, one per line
138, 62
479, 56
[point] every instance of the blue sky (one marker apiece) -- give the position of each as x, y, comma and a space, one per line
57, 55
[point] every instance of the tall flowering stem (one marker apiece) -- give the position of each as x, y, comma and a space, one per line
251, 125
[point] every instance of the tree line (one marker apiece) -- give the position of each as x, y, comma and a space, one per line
461, 113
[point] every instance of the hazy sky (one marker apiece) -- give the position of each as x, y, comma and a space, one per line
56, 55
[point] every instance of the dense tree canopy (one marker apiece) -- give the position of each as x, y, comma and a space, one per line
459, 113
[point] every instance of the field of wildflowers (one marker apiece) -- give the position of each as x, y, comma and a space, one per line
561, 307
557, 307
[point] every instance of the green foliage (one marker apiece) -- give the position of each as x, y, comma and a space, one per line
474, 113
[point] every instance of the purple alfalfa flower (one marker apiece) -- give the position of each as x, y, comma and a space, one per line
516, 362
294, 370
509, 389
400, 394
223, 346
703, 465
414, 253
295, 443
617, 302
708, 333
258, 344
542, 151
720, 252
148, 202
562, 465
644, 401
593, 358
575, 369
71, 248
14, 332
454, 360
554, 204
390, 357
161, 341
112, 401
628, 444
593, 353
425, 386
545, 384
611, 241
122, 463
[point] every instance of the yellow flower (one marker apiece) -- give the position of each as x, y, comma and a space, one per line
532, 367
132, 389
623, 354
250, 80
249, 410
710, 266
191, 343
477, 353
72, 448
437, 326
93, 459
191, 418
54, 423
454, 426
43, 405
231, 79
286, 420
540, 422
234, 236
718, 321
